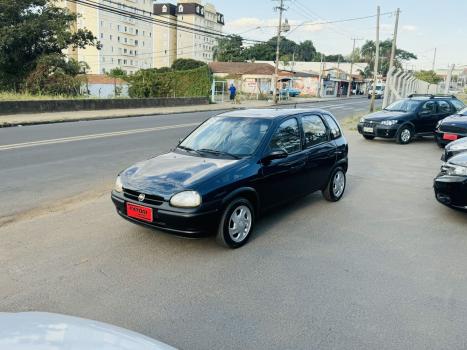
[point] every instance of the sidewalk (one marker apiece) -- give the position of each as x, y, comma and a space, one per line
60, 117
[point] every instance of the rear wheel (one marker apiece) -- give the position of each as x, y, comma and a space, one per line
336, 186
236, 224
369, 137
404, 135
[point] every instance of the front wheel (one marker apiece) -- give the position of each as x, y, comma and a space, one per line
236, 224
336, 186
404, 135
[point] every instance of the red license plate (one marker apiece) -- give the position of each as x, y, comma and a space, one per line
139, 212
450, 137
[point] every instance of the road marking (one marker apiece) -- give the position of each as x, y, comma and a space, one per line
93, 136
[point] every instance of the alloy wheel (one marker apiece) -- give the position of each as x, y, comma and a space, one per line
338, 184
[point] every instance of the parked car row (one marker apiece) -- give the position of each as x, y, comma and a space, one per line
445, 117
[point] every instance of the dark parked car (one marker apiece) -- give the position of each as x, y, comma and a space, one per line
231, 169
452, 128
451, 183
417, 115
454, 148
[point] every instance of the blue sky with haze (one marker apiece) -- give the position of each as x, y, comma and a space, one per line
424, 25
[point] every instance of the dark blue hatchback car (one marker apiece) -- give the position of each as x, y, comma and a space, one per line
231, 169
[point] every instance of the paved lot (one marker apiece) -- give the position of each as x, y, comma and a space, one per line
382, 269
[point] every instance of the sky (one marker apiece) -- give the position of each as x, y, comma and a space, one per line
424, 25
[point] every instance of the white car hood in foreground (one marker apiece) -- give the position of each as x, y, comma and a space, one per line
45, 331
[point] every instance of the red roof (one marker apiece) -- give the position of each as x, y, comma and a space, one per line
103, 79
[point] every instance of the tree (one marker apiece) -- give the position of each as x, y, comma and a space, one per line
429, 76
30, 29
117, 73
55, 76
186, 64
229, 49
306, 51
368, 51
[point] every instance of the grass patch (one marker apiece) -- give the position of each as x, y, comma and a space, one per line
462, 97
12, 96
350, 122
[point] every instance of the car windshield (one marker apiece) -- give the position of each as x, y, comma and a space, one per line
403, 106
379, 87
463, 112
231, 136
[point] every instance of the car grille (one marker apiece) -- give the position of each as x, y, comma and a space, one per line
369, 124
149, 198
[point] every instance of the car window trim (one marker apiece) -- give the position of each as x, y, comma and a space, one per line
277, 128
328, 131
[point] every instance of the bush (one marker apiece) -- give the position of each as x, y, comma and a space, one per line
187, 64
188, 83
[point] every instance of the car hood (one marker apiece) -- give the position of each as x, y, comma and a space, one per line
458, 145
46, 331
455, 120
385, 115
173, 172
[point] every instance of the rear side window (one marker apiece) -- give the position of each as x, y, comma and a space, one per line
335, 130
458, 105
314, 130
429, 106
287, 137
444, 107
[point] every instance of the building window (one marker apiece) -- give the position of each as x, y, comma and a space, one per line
102, 35
110, 36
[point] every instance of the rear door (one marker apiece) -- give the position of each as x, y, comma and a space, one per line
320, 152
444, 110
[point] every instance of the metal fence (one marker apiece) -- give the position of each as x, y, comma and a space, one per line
400, 84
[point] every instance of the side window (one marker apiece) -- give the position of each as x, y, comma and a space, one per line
335, 130
444, 107
287, 137
429, 106
458, 105
314, 130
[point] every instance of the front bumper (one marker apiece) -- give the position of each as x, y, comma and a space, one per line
451, 191
379, 130
187, 223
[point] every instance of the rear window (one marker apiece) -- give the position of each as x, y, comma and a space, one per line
458, 105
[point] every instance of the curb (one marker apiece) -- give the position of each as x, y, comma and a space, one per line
41, 122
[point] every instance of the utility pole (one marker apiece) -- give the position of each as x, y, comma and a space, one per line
394, 40
373, 95
351, 66
321, 69
279, 31
434, 61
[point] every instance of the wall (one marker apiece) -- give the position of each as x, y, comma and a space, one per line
16, 107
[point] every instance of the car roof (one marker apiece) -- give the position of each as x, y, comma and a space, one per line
270, 113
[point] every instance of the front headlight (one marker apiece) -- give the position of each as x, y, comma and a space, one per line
186, 199
362, 120
118, 185
454, 170
389, 122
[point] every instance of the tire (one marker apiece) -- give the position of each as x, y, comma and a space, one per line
335, 188
404, 135
368, 137
226, 235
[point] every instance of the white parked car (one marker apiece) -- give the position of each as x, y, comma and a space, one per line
46, 331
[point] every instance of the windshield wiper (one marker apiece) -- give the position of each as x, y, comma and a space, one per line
187, 149
216, 152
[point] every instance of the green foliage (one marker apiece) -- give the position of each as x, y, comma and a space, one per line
55, 76
30, 29
229, 49
429, 76
186, 83
117, 73
186, 64
368, 52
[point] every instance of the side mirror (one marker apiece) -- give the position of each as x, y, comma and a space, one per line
275, 154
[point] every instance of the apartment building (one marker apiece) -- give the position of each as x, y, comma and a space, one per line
127, 43
192, 37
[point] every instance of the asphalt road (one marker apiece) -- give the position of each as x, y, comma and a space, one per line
42, 165
384, 268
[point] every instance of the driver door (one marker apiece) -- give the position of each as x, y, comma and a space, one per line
282, 178
427, 117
